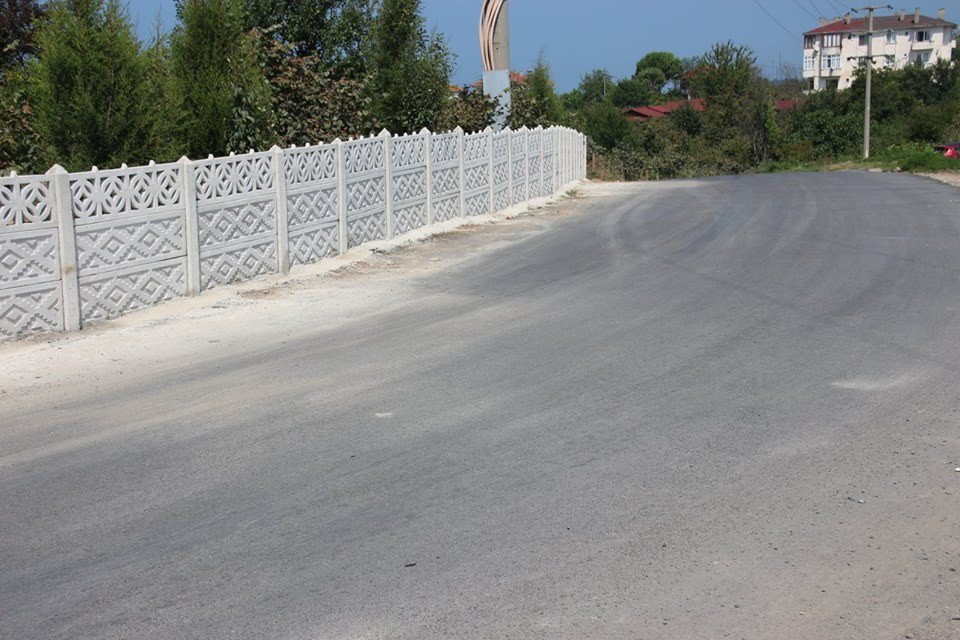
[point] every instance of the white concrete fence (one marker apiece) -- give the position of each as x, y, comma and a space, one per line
80, 247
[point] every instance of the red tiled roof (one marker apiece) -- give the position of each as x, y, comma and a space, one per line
880, 23
649, 112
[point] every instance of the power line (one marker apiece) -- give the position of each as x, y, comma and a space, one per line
772, 17
804, 9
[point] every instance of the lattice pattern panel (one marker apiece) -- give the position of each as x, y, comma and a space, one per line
409, 151
534, 163
30, 309
549, 161
29, 258
129, 237
446, 193
237, 242
476, 173
366, 196
113, 293
409, 171
233, 176
126, 191
312, 203
519, 141
314, 243
309, 165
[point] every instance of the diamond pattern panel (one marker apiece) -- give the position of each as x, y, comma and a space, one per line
131, 242
124, 191
501, 199
409, 186
30, 309
477, 177
113, 294
478, 205
237, 265
446, 209
239, 222
366, 194
312, 207
311, 245
366, 229
445, 181
28, 257
410, 217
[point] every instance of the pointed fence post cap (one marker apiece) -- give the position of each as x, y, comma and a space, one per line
184, 160
276, 148
458, 130
384, 133
425, 131
56, 169
489, 129
337, 141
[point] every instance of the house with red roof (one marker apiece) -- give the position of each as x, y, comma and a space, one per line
834, 51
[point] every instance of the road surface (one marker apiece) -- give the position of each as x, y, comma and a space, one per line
693, 409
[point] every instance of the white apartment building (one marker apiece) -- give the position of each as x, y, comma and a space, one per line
833, 51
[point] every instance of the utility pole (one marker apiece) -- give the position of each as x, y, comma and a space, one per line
867, 103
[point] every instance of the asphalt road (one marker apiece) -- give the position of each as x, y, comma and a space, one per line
695, 409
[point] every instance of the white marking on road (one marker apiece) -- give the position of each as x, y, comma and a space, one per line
384, 415
875, 384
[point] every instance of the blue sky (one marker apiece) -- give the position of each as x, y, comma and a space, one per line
613, 34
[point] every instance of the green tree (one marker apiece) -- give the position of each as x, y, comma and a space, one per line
336, 31
739, 113
18, 20
669, 66
311, 103
607, 127
534, 102
470, 110
87, 86
220, 88
411, 69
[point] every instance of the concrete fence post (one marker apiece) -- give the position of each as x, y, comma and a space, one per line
462, 171
526, 165
341, 197
66, 236
388, 188
191, 224
489, 133
283, 223
428, 179
540, 129
510, 167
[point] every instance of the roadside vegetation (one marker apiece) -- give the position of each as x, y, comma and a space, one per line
741, 130
78, 88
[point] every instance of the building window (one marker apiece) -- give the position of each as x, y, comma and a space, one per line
831, 40
891, 37
922, 36
810, 84
862, 40
808, 63
830, 62
922, 57
890, 60
947, 35
808, 42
